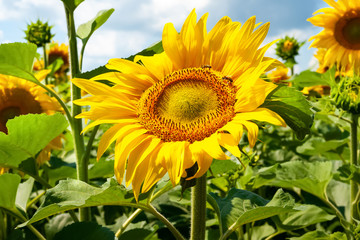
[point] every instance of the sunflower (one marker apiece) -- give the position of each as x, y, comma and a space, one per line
341, 34
279, 75
179, 108
59, 51
19, 97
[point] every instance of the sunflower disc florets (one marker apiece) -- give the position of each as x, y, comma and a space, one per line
39, 33
346, 95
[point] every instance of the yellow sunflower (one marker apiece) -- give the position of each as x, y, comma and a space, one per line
178, 108
59, 51
279, 75
19, 97
341, 34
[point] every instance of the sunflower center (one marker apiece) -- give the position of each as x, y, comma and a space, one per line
16, 102
347, 30
187, 105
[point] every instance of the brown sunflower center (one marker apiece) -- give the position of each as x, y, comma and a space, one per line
187, 105
347, 30
16, 102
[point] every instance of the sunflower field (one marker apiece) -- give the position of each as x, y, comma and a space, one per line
199, 136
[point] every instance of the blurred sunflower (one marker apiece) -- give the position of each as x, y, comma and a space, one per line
19, 97
341, 34
59, 51
175, 109
279, 75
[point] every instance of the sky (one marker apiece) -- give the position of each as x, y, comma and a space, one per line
135, 25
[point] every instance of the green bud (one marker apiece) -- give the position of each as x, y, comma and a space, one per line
346, 94
38, 33
287, 48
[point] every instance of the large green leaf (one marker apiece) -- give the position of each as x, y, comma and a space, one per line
317, 146
293, 107
27, 135
16, 59
309, 78
71, 5
320, 235
312, 177
85, 230
23, 194
71, 194
240, 207
85, 30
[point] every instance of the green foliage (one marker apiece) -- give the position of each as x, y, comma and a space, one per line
240, 207
292, 106
9, 184
85, 230
150, 51
28, 134
16, 59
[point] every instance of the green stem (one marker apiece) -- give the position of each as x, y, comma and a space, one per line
86, 155
198, 209
354, 214
45, 62
127, 222
79, 146
171, 227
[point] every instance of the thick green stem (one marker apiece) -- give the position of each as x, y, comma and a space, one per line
198, 209
354, 214
127, 222
79, 147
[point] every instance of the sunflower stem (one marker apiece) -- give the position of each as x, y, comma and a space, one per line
354, 214
45, 62
76, 126
198, 209
127, 222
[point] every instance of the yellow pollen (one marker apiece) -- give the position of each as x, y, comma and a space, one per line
347, 30
187, 105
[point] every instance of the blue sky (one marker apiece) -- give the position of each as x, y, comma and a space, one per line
136, 25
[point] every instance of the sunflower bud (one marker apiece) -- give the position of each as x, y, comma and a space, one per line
38, 33
287, 48
346, 95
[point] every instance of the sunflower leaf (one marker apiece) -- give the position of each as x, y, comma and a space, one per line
150, 51
309, 78
85, 30
85, 230
16, 59
240, 207
71, 194
28, 134
312, 177
293, 107
9, 184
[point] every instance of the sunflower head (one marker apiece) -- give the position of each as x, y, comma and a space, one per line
38, 33
182, 107
346, 94
59, 51
341, 34
287, 48
20, 97
279, 75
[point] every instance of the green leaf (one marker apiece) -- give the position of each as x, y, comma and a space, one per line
85, 230
320, 235
312, 177
71, 194
309, 78
293, 107
94, 72
150, 51
85, 30
9, 184
223, 166
137, 233
318, 146
71, 5
305, 216
56, 224
240, 207
102, 169
27, 135
16, 59
23, 193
